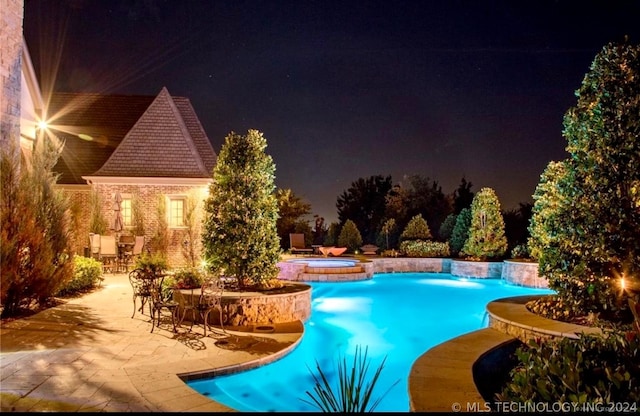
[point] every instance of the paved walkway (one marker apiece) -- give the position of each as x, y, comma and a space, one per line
90, 355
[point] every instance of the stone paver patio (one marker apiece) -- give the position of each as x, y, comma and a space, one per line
90, 355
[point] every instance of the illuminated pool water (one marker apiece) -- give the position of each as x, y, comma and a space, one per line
398, 315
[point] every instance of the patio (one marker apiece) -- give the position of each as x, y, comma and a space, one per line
90, 352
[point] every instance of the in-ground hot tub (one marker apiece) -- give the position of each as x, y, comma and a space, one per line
325, 270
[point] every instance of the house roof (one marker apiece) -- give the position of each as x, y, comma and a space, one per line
129, 136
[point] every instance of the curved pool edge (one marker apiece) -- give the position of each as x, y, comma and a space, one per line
164, 385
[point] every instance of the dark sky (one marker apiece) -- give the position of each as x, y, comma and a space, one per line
349, 89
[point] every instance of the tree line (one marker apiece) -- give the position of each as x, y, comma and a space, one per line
381, 210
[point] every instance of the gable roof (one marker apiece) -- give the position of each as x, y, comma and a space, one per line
129, 136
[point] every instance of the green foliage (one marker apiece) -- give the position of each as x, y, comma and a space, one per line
97, 222
388, 236
353, 393
87, 274
191, 242
421, 248
333, 232
350, 237
590, 369
364, 204
240, 234
486, 239
446, 228
137, 212
416, 229
152, 263
186, 278
460, 232
291, 211
160, 240
520, 252
463, 196
586, 218
35, 236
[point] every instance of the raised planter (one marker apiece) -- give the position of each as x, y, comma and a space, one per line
290, 304
523, 273
476, 269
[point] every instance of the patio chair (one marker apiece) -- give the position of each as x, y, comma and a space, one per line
109, 253
297, 244
94, 244
185, 307
159, 305
141, 286
211, 300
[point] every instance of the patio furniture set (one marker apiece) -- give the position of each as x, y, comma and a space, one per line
115, 252
147, 287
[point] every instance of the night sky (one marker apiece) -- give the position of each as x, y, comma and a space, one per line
348, 89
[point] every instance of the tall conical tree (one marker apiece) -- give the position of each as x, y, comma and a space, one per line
486, 240
595, 193
240, 235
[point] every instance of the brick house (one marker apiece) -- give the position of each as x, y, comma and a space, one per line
151, 151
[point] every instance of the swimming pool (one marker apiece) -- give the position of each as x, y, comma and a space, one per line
397, 315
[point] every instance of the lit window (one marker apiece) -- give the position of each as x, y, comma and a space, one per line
176, 212
125, 209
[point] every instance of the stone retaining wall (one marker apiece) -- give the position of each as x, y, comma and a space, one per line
523, 273
251, 308
411, 264
476, 269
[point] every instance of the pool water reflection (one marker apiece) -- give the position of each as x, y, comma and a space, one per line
397, 315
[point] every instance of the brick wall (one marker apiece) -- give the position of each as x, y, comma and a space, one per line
11, 16
149, 197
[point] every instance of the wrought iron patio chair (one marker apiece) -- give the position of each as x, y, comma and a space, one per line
210, 301
159, 305
185, 307
141, 285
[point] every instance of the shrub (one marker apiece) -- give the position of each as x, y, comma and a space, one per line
152, 263
353, 393
520, 252
35, 235
460, 231
446, 228
416, 229
186, 278
486, 235
350, 236
419, 248
87, 274
590, 369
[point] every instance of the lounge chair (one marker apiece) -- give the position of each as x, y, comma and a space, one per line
298, 245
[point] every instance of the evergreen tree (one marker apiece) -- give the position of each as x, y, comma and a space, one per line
240, 235
460, 231
350, 236
446, 229
416, 229
388, 236
291, 212
586, 219
462, 197
486, 235
36, 257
